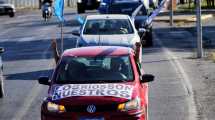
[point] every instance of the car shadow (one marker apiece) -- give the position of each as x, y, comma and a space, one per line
180, 39
32, 50
29, 75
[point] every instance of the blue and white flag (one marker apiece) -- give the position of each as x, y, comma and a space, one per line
80, 19
58, 9
155, 12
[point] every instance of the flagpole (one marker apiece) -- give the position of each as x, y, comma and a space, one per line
59, 11
62, 42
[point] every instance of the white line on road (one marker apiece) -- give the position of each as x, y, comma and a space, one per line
30, 97
175, 62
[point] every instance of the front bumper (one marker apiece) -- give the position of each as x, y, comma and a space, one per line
104, 112
99, 116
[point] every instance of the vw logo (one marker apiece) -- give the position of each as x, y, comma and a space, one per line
91, 108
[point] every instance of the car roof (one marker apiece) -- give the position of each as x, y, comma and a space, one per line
107, 16
98, 51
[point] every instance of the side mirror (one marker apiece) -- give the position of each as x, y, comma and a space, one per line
1, 49
147, 78
76, 33
141, 30
44, 80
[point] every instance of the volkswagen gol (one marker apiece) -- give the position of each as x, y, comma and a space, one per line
97, 83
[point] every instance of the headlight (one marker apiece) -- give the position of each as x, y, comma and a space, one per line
130, 105
12, 6
52, 107
79, 1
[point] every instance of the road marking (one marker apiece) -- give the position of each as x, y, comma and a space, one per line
31, 96
28, 102
175, 62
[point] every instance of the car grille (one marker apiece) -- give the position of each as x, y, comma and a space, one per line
99, 108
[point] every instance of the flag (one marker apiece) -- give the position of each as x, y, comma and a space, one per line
80, 19
58, 9
155, 12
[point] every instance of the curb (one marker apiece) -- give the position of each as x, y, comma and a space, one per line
203, 17
211, 56
182, 18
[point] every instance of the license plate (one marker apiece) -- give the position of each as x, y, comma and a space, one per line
91, 118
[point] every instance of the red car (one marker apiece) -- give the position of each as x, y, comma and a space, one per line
97, 83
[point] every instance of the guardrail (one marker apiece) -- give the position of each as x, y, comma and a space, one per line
35, 3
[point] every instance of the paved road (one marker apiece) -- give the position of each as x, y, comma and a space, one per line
26, 39
194, 75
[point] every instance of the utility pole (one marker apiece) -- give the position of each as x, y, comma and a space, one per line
199, 29
171, 13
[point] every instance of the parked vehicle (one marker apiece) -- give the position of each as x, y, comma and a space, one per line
46, 11
1, 75
7, 9
97, 83
83, 5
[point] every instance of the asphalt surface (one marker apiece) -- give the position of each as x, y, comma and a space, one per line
26, 39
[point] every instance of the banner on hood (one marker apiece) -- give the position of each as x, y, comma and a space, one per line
114, 90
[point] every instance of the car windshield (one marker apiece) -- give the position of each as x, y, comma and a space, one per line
108, 27
93, 70
123, 1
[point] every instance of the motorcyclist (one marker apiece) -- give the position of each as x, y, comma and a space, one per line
47, 5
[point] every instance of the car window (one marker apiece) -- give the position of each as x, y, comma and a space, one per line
121, 1
108, 27
93, 69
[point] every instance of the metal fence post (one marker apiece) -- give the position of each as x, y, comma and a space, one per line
199, 29
171, 12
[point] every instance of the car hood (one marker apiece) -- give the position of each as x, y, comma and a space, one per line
74, 94
127, 40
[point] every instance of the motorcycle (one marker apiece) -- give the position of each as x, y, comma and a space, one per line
46, 11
